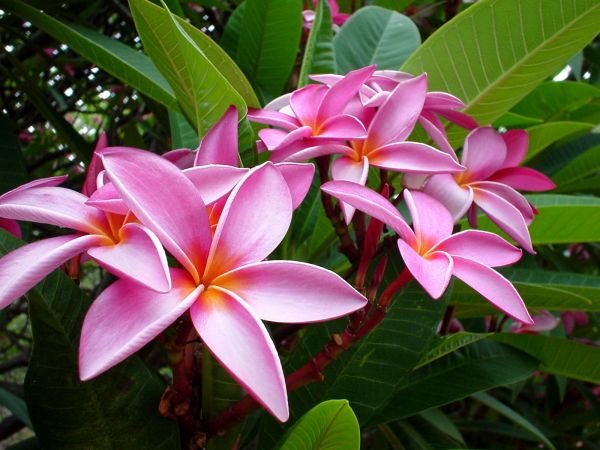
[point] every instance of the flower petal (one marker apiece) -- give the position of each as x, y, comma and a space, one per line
240, 342
508, 218
413, 157
371, 203
456, 198
274, 118
95, 166
483, 153
181, 157
510, 195
292, 292
432, 221
516, 142
165, 201
127, 316
458, 118
523, 179
107, 198
11, 226
255, 219
435, 129
42, 182
316, 151
214, 181
23, 268
432, 272
396, 118
299, 178
342, 127
138, 256
442, 100
54, 206
276, 139
481, 246
493, 286
220, 144
346, 169
305, 102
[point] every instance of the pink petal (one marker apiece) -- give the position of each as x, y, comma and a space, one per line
305, 102
434, 128
127, 316
493, 286
433, 272
542, 322
23, 268
107, 198
292, 292
316, 151
239, 341
165, 201
54, 206
508, 218
220, 145
523, 179
458, 118
342, 127
510, 195
281, 104
138, 255
275, 139
275, 118
371, 203
42, 182
413, 157
95, 166
326, 78
396, 118
181, 157
338, 96
214, 181
481, 246
255, 219
11, 226
442, 100
299, 178
432, 222
516, 142
483, 153
346, 169
456, 198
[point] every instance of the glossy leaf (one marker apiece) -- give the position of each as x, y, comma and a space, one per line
375, 35
269, 41
182, 133
586, 164
318, 53
15, 405
445, 345
68, 414
559, 156
330, 425
230, 40
544, 135
538, 37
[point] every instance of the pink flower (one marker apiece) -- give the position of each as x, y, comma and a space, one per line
338, 18
544, 321
223, 282
571, 319
11, 226
433, 254
490, 181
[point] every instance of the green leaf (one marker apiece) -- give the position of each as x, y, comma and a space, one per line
496, 52
445, 345
188, 67
375, 35
477, 367
12, 165
118, 409
318, 53
330, 425
558, 356
269, 41
182, 133
121, 61
562, 219
586, 164
15, 405
514, 416
542, 136
512, 120
559, 156
541, 289
552, 101
230, 40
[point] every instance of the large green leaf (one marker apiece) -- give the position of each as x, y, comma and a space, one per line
584, 165
116, 410
269, 41
375, 35
15, 405
541, 136
230, 40
203, 91
477, 367
557, 355
330, 425
559, 156
182, 133
12, 165
444, 345
318, 53
497, 51
562, 219
121, 61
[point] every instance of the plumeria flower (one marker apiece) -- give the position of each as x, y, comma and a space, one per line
385, 146
433, 254
573, 319
314, 112
490, 181
223, 280
11, 226
115, 242
544, 321
338, 18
